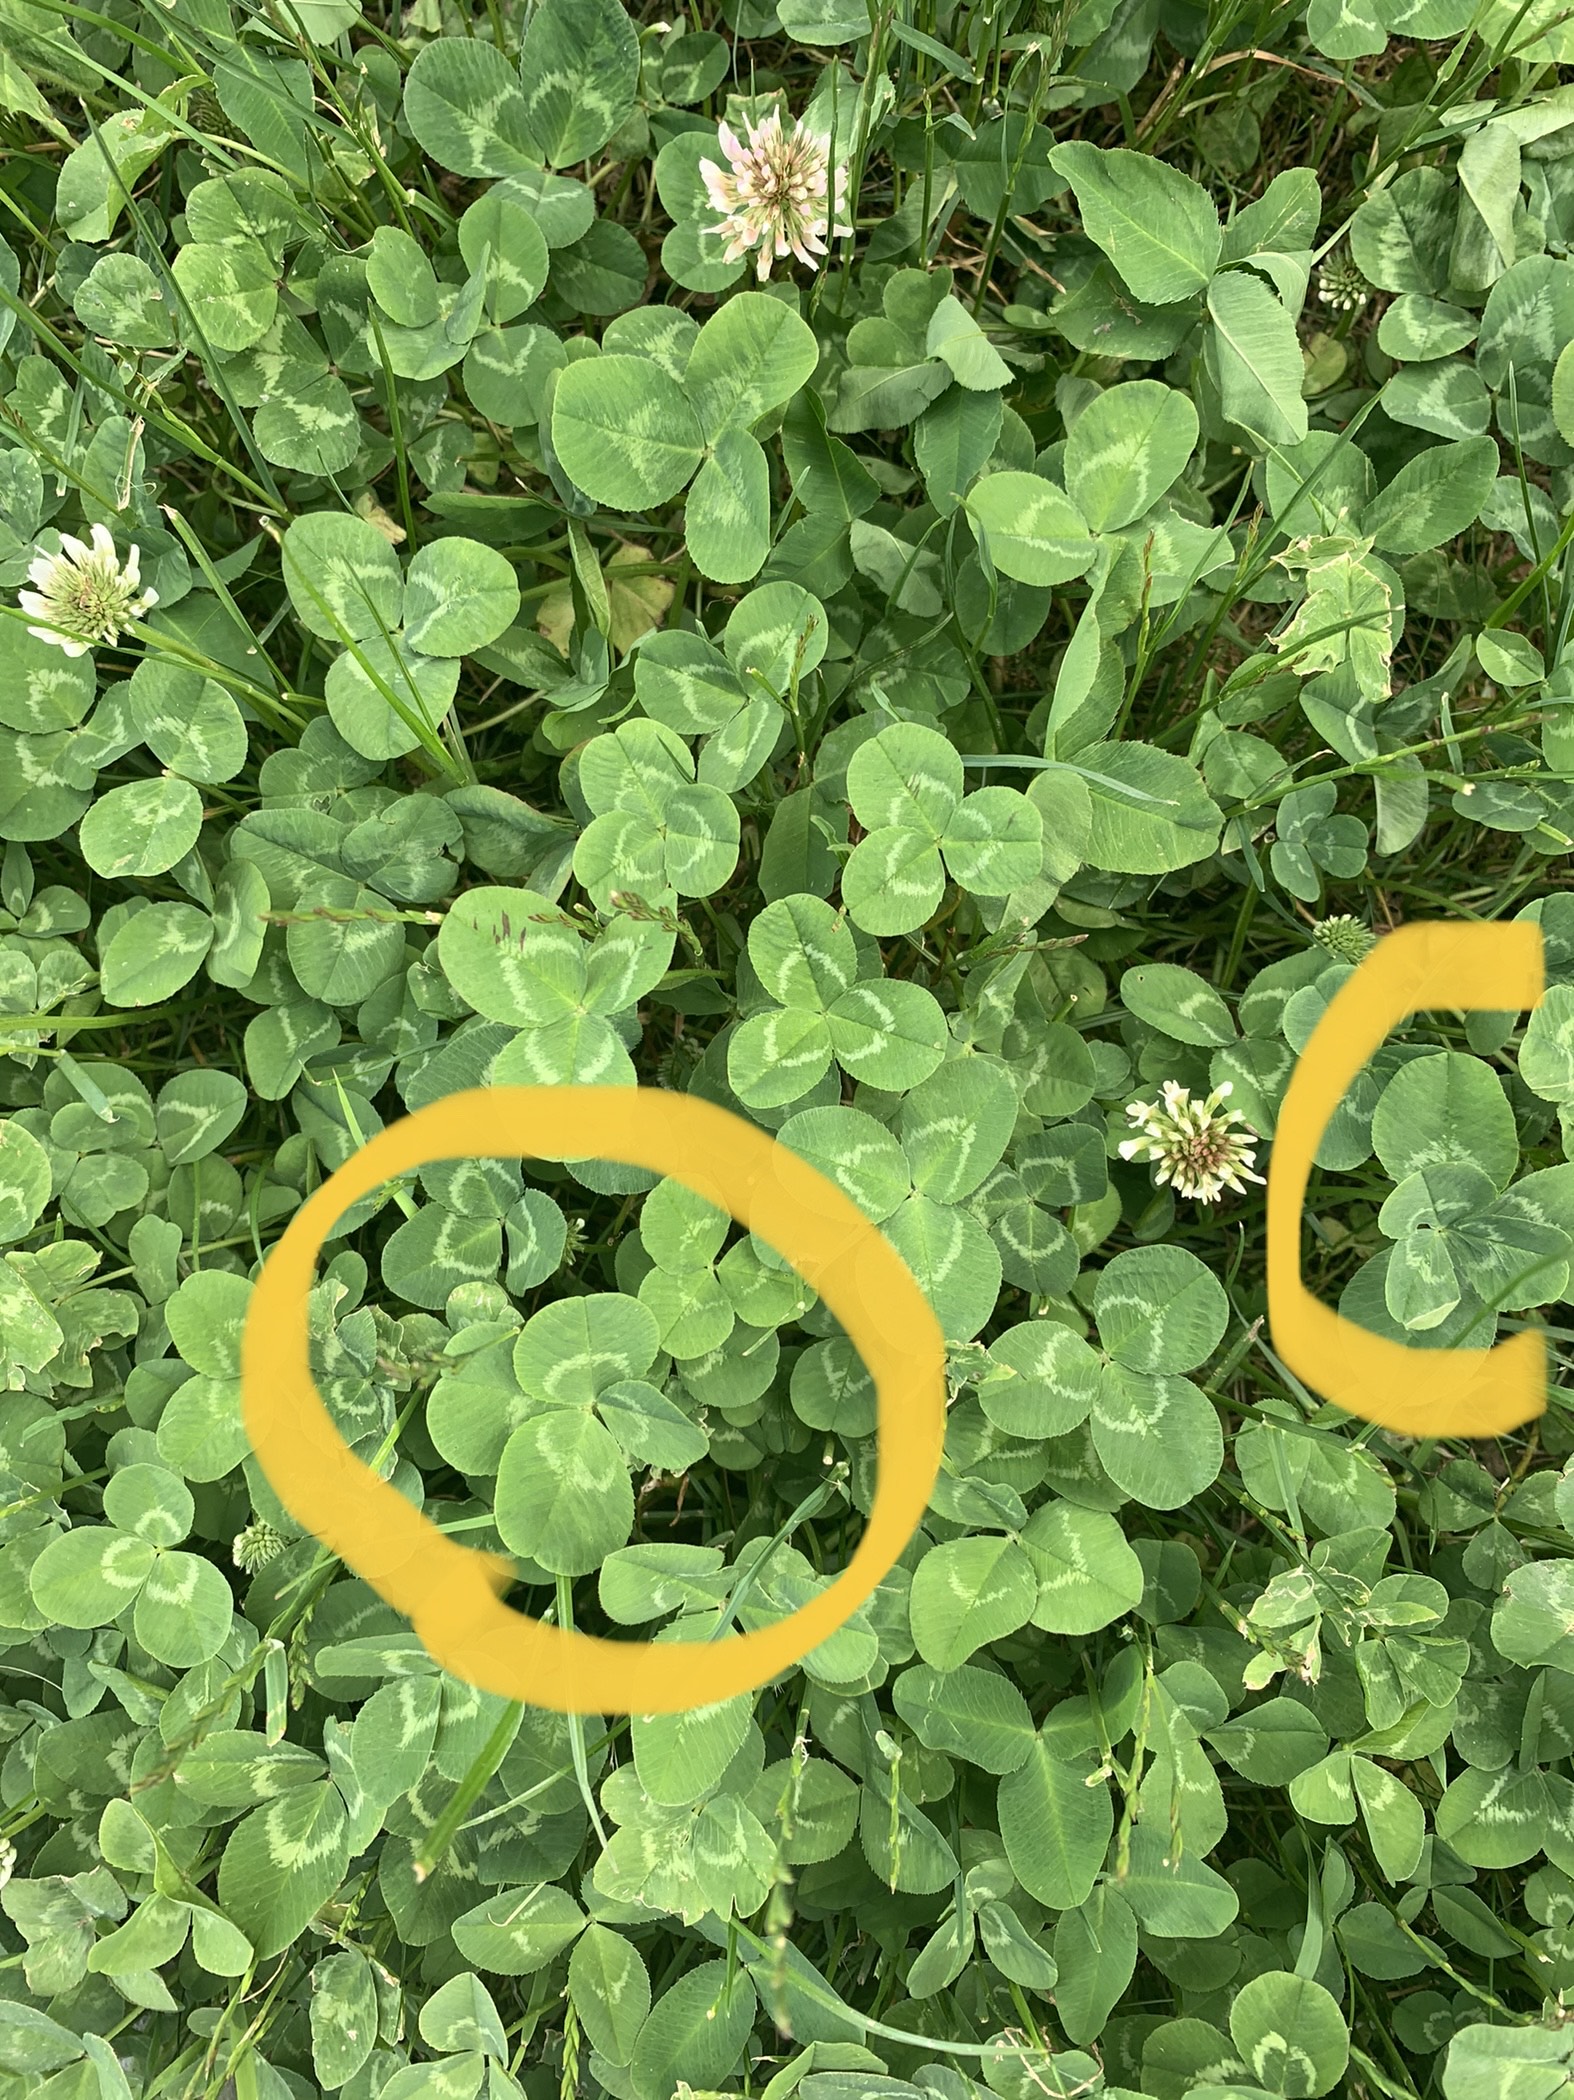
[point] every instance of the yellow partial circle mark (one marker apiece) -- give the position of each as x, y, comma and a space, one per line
1472, 966
449, 1592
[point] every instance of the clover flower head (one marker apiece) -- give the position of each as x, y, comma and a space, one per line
1341, 285
776, 191
1197, 1151
257, 1547
84, 594
1344, 937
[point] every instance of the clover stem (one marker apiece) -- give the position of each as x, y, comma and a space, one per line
576, 1722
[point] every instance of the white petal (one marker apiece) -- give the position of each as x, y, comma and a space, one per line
73, 549
104, 542
59, 641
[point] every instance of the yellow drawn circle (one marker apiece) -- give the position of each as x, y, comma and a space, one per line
1471, 966
450, 1592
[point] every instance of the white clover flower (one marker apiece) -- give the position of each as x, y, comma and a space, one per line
1196, 1150
83, 593
7, 1861
1341, 285
775, 192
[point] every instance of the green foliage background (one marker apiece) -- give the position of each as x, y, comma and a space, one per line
923, 706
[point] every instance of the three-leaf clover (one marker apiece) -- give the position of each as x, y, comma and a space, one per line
885, 1031
564, 1497
1159, 1312
906, 787
655, 830
180, 1604
631, 433
519, 958
1455, 1234
917, 1182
